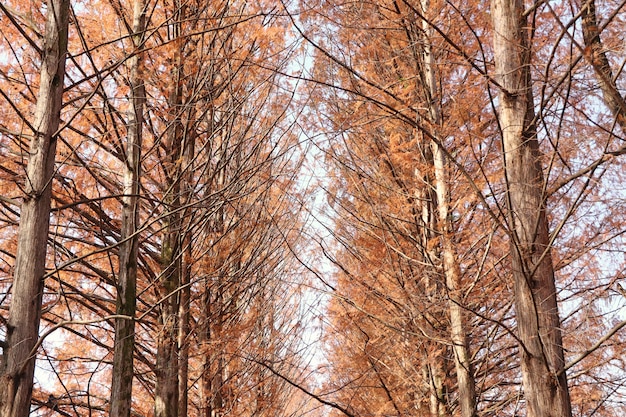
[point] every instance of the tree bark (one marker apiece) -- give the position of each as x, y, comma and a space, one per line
543, 377
122, 379
185, 292
167, 384
451, 271
458, 328
183, 333
18, 362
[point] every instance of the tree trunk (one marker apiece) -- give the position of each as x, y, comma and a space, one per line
185, 292
183, 333
18, 362
458, 329
591, 35
122, 378
543, 377
166, 392
167, 384
212, 360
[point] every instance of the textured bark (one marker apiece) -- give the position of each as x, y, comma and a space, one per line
458, 327
18, 363
451, 271
543, 377
166, 392
121, 383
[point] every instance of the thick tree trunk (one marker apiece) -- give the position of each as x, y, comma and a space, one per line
543, 377
121, 383
18, 362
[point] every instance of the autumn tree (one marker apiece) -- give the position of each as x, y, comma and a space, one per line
217, 144
22, 326
122, 379
362, 84
537, 315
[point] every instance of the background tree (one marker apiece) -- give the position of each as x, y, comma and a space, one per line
401, 122
126, 288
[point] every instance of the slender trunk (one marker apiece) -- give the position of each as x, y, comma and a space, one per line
543, 377
433, 363
213, 363
591, 35
185, 292
205, 342
183, 332
458, 329
18, 361
122, 378
435, 372
166, 392
183, 328
167, 384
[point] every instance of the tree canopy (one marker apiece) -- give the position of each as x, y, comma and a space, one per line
312, 208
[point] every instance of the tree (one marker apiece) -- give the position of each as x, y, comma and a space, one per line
362, 84
124, 342
224, 103
22, 327
537, 315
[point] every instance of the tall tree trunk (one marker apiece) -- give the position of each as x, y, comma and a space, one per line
122, 378
458, 330
166, 392
212, 361
451, 270
183, 332
167, 384
434, 367
187, 192
543, 377
18, 362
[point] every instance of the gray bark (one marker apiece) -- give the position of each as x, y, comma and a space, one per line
121, 384
18, 364
542, 364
